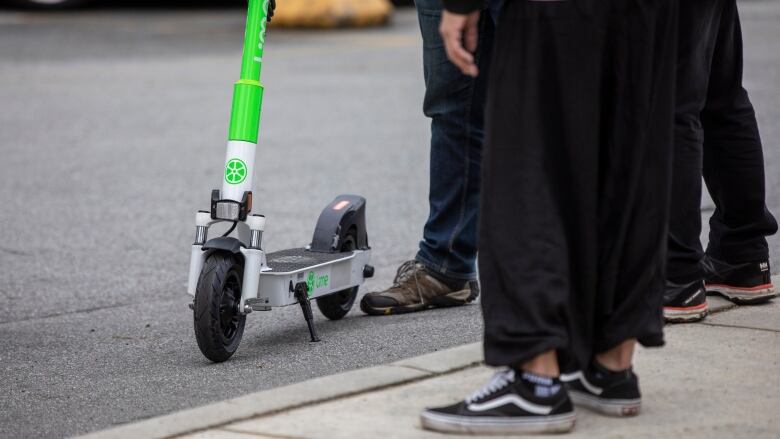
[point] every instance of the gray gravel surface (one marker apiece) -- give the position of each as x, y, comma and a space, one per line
112, 134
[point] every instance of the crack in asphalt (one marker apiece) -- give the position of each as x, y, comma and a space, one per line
13, 251
724, 325
81, 311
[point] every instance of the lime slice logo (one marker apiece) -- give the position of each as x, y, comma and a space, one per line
235, 171
310, 283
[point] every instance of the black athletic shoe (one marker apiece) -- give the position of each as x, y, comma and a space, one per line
508, 404
686, 302
606, 392
749, 282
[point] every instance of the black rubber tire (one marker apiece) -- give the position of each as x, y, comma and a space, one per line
336, 305
218, 324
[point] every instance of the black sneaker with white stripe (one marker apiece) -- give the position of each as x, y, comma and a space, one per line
606, 392
508, 404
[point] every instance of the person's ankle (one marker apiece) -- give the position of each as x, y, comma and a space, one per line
619, 358
611, 364
544, 364
609, 369
543, 373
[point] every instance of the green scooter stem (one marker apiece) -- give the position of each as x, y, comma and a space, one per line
248, 91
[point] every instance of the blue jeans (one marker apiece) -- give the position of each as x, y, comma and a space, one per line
456, 105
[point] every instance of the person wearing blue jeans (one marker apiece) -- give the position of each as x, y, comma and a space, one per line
443, 273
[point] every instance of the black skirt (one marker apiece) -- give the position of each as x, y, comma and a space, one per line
576, 177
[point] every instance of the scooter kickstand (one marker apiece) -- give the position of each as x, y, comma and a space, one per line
303, 300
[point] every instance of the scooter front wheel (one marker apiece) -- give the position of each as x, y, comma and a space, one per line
218, 323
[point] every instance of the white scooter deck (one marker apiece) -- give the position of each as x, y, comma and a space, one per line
323, 273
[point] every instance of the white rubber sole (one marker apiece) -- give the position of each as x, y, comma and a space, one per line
609, 407
493, 425
685, 315
743, 295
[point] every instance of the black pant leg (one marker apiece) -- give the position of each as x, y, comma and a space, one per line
537, 234
733, 156
635, 168
699, 24
576, 176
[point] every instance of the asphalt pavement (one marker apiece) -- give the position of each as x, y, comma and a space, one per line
112, 134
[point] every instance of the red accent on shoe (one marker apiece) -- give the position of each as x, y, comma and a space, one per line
732, 287
687, 308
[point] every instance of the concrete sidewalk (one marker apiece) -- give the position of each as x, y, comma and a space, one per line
716, 379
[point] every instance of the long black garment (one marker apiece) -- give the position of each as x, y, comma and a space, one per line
576, 177
715, 134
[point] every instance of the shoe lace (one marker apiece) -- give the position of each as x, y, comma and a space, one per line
408, 270
500, 380
405, 271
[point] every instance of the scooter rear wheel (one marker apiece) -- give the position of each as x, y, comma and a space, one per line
218, 323
335, 306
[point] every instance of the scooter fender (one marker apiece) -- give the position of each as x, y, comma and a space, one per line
223, 243
199, 253
345, 213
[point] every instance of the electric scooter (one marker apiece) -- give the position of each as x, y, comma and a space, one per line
231, 276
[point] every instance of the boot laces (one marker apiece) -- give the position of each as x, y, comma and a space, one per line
406, 271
